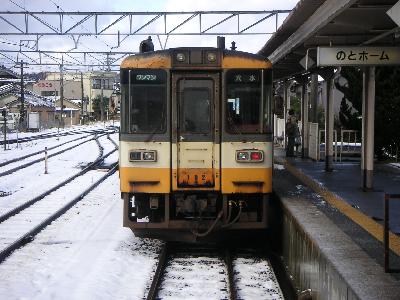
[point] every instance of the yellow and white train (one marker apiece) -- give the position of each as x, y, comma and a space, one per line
195, 143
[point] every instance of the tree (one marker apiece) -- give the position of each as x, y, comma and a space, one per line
351, 106
387, 108
97, 108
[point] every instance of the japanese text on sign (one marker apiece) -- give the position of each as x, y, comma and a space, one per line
45, 84
341, 56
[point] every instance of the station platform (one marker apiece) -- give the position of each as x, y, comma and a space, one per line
357, 212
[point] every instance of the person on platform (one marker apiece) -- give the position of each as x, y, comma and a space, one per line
291, 133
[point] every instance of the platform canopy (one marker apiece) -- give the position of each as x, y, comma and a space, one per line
315, 23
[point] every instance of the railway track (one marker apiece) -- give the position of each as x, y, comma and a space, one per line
21, 228
22, 166
101, 157
52, 135
10, 161
213, 273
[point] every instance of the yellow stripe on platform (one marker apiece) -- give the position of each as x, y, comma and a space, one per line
372, 227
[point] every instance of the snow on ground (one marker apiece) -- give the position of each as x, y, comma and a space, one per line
29, 182
256, 279
278, 166
194, 278
22, 149
86, 254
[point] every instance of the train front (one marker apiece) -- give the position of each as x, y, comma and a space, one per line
195, 143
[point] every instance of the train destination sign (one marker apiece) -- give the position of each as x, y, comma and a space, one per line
356, 56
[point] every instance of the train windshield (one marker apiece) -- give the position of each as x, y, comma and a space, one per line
145, 101
248, 99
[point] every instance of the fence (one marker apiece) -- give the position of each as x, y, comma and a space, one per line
279, 130
321, 139
349, 142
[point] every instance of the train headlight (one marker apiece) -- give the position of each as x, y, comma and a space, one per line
135, 156
252, 156
181, 57
149, 156
242, 155
211, 56
143, 155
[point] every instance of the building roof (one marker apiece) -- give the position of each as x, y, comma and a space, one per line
7, 73
30, 98
314, 23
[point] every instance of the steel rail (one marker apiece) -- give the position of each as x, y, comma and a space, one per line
29, 203
231, 281
23, 166
41, 151
50, 135
29, 236
162, 262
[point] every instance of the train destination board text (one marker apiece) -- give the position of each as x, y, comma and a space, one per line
355, 56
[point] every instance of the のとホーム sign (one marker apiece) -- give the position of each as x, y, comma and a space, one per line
356, 56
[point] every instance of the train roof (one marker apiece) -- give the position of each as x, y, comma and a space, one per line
165, 59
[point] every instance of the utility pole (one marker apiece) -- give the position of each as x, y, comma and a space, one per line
22, 109
83, 101
61, 95
101, 99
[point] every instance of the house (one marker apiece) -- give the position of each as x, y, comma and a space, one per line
93, 84
10, 98
71, 111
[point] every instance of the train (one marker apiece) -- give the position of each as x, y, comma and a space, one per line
195, 143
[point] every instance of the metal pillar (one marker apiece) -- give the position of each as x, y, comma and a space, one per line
329, 125
368, 120
82, 101
304, 119
286, 105
314, 98
101, 99
22, 116
61, 96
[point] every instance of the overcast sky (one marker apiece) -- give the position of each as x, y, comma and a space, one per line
106, 43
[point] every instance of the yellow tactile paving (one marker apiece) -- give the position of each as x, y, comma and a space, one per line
374, 228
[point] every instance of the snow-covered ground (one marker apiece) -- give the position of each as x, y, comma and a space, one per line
85, 254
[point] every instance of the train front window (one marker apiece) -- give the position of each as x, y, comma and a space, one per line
247, 106
195, 105
148, 109
145, 102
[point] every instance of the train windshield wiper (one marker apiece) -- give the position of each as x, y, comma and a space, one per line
157, 128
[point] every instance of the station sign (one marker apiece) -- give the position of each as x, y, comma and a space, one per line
358, 56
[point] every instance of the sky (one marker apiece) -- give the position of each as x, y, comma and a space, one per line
248, 43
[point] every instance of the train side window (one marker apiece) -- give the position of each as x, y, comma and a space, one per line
247, 104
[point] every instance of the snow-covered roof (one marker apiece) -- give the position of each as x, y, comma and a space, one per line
66, 109
4, 89
31, 98
7, 73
